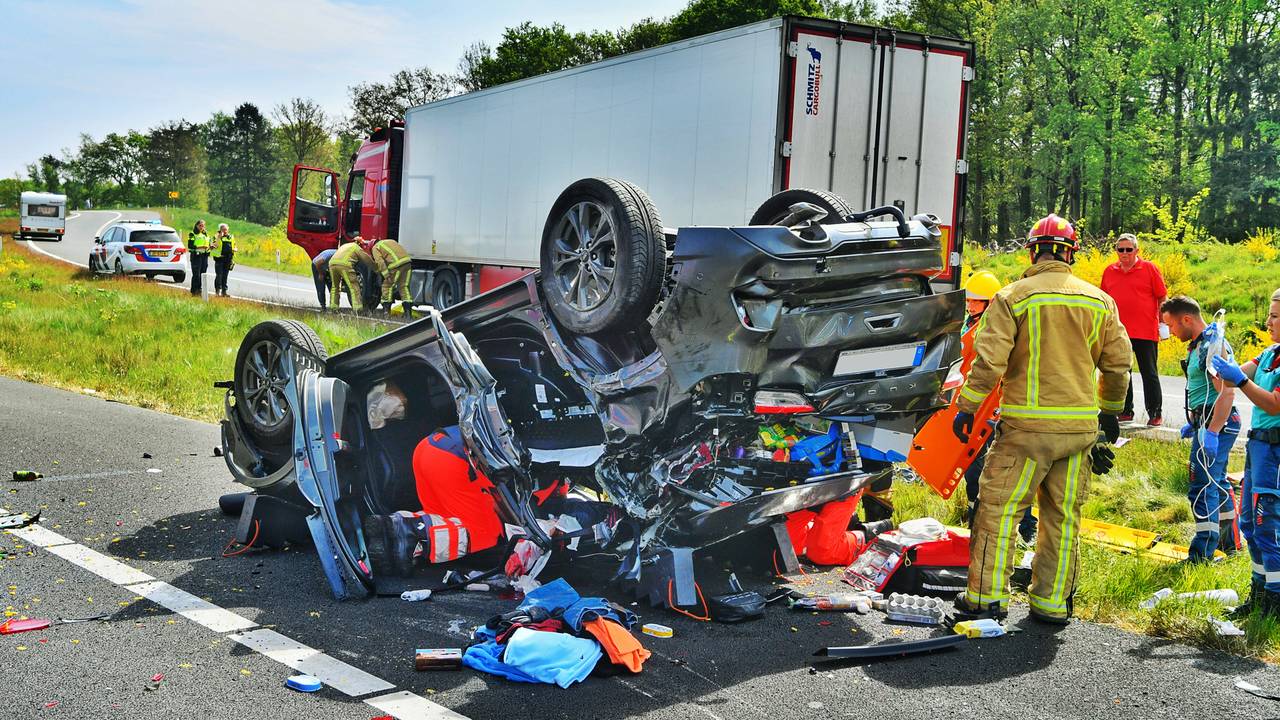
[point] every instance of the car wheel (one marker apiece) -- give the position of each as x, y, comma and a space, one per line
119, 267
179, 277
603, 256
260, 378
93, 262
773, 210
446, 288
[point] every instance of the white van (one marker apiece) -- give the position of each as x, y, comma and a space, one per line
44, 216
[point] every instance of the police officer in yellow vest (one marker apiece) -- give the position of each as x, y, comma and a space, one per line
198, 245
345, 272
1057, 344
392, 262
223, 253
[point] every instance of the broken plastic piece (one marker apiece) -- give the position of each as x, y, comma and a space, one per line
10, 521
1254, 690
303, 683
415, 595
14, 625
657, 630
892, 649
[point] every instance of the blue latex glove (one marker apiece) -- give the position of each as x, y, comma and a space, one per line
962, 426
1209, 441
1228, 371
1187, 431
1210, 333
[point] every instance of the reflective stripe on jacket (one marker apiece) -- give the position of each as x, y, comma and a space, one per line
1048, 336
227, 244
389, 255
350, 255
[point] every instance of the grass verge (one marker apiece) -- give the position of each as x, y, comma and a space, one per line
130, 340
256, 245
1146, 490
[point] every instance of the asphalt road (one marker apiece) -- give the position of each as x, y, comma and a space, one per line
243, 282
159, 516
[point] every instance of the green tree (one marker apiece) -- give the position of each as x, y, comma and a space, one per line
374, 104
174, 161
242, 165
700, 17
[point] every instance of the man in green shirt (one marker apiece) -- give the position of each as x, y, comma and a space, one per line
1212, 423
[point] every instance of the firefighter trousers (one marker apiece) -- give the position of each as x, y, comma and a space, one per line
345, 275
1021, 466
396, 278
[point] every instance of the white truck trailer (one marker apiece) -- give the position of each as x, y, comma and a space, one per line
710, 127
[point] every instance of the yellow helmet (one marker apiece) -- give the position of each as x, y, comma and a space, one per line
982, 285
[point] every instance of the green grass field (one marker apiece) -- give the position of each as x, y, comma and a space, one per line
1147, 491
256, 245
130, 340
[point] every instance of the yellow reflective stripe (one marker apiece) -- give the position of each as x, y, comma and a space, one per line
1058, 299
1045, 604
982, 601
1033, 364
1053, 413
1071, 519
1097, 328
1006, 525
968, 394
399, 263
1116, 406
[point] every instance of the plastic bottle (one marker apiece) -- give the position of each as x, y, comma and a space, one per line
1154, 600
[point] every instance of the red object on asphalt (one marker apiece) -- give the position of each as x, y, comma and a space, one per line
14, 625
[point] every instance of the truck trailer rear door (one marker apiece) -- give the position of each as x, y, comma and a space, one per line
879, 117
315, 209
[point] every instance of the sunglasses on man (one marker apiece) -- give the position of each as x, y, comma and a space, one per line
1126, 250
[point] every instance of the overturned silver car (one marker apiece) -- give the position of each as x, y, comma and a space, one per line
638, 367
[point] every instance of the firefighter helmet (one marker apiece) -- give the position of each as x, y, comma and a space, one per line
1053, 230
982, 285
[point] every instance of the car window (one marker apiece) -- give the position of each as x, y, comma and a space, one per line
113, 234
154, 236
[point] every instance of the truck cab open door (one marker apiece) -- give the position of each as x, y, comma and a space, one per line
315, 209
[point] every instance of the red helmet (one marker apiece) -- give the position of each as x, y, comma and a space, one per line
1054, 230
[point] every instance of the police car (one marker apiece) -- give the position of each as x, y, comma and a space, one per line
139, 247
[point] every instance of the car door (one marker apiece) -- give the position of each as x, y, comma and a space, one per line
315, 209
111, 244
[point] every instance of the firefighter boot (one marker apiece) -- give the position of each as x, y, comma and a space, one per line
1255, 594
964, 611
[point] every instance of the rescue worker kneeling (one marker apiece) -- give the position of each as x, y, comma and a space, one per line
458, 514
1047, 336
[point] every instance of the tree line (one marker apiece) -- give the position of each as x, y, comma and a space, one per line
1157, 116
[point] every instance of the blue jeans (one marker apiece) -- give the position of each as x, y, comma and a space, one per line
1209, 491
1260, 512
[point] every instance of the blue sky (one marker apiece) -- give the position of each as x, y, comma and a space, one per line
76, 66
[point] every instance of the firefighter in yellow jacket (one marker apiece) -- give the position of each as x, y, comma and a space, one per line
1057, 343
393, 263
344, 271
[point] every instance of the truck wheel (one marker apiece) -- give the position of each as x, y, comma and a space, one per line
603, 256
260, 378
446, 288
773, 210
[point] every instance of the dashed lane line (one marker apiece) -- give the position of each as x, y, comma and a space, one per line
335, 673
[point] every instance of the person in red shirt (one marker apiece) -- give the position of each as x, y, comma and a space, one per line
1138, 289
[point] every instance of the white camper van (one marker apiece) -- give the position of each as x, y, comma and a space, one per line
44, 216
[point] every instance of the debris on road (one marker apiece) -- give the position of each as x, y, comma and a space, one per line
415, 595
1225, 628
26, 475
12, 626
1254, 690
915, 609
11, 520
895, 649
1226, 597
303, 683
656, 630
437, 659
985, 627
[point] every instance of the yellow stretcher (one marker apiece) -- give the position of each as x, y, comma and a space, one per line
1128, 540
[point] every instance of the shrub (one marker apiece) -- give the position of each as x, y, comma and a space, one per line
1261, 244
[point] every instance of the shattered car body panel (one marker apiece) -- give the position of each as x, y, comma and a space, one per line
660, 413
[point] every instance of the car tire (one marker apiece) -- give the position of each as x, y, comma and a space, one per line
179, 278
259, 379
446, 288
119, 268
773, 210
93, 262
576, 286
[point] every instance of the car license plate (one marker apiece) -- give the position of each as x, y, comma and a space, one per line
894, 357
159, 253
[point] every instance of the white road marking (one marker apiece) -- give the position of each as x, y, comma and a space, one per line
37, 535
407, 706
99, 564
33, 246
219, 620
331, 671
98, 232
